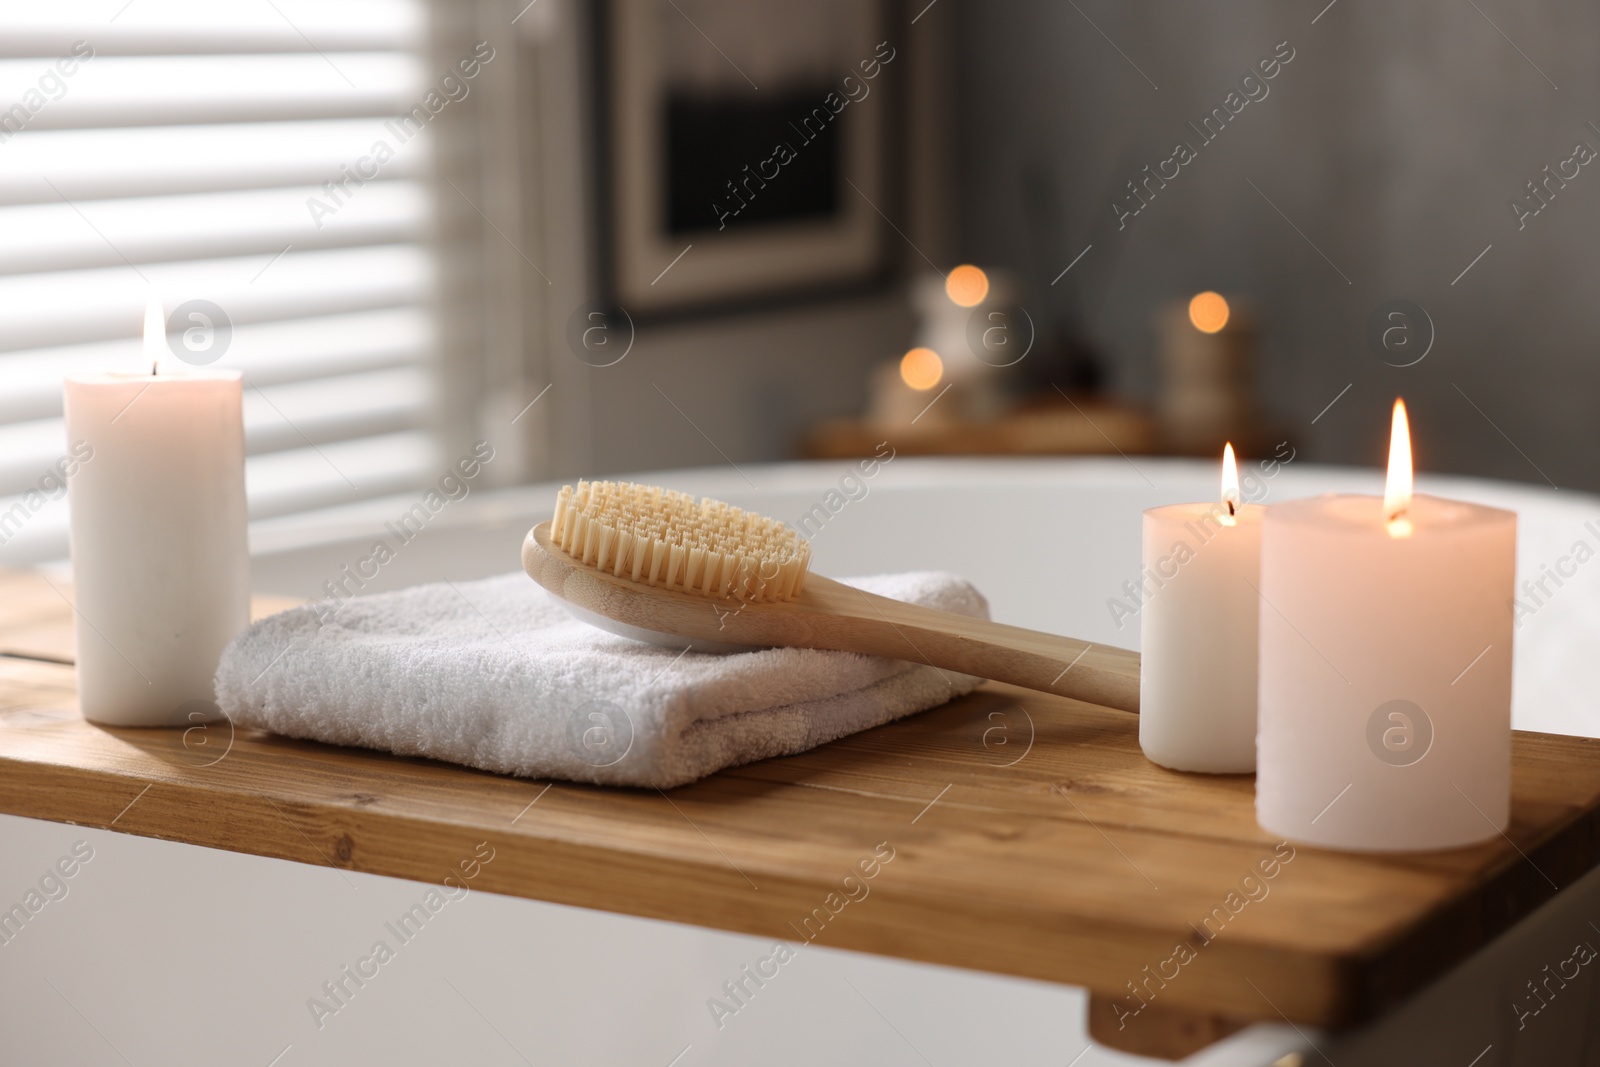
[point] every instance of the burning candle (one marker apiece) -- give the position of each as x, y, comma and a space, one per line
1197, 682
1206, 349
1386, 631
161, 567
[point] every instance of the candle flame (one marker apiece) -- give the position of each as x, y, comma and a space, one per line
1230, 485
966, 285
921, 368
1397, 487
155, 333
1208, 311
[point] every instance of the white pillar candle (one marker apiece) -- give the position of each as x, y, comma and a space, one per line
1197, 676
1386, 633
160, 561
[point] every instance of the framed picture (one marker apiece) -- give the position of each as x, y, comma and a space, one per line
744, 148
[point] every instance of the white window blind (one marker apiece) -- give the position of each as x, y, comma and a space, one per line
173, 155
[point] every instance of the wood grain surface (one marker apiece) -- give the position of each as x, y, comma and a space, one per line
1027, 834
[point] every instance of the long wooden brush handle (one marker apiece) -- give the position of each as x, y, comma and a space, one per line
832, 615
849, 618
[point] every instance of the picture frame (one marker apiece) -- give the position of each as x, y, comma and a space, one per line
741, 165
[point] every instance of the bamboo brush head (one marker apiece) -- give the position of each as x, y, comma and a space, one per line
670, 540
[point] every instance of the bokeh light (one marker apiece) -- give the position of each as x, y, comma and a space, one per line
967, 285
1208, 311
921, 368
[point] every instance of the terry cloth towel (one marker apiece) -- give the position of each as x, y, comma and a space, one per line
495, 674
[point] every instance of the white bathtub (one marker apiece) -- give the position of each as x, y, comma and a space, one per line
181, 955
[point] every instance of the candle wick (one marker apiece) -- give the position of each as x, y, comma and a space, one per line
1230, 505
1399, 525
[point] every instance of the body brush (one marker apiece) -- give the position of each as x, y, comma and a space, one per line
663, 567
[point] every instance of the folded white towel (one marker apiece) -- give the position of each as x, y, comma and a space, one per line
495, 674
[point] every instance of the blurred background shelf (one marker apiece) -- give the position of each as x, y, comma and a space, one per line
1076, 427
1080, 428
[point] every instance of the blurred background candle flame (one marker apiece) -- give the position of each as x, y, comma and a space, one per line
921, 368
967, 285
1208, 311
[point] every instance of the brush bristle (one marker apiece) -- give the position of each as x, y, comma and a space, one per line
673, 541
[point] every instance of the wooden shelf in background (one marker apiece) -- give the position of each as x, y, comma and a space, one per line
1050, 429
1038, 428
1060, 854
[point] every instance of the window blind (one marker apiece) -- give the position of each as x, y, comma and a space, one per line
174, 149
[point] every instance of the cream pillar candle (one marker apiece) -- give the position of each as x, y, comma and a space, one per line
1197, 676
1386, 633
161, 567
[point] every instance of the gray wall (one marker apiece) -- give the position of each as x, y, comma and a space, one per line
743, 388
1393, 140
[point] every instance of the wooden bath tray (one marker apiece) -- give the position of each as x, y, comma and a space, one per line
1029, 837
